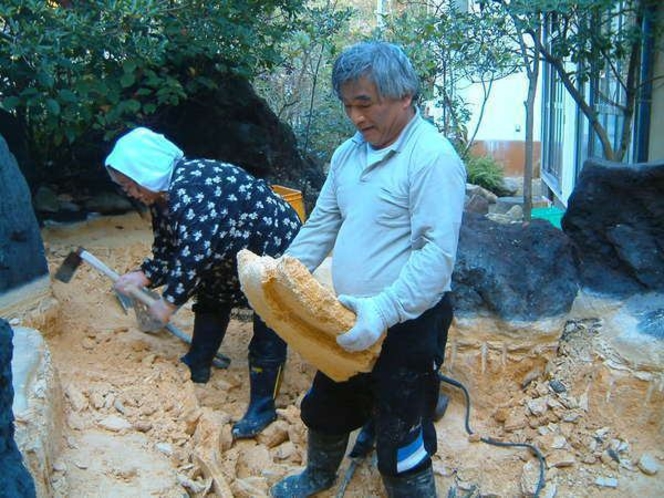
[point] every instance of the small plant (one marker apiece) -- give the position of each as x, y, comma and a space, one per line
486, 172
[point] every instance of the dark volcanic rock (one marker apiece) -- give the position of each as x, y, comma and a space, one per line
230, 123
615, 219
513, 271
22, 257
234, 124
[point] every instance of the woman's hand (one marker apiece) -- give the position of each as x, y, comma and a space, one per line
132, 279
162, 310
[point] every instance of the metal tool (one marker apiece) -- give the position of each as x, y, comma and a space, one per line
143, 297
364, 444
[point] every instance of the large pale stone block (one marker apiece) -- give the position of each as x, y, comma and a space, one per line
305, 314
37, 406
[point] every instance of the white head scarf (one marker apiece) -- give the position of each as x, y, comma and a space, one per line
146, 157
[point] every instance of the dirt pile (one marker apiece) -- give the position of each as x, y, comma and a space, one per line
136, 426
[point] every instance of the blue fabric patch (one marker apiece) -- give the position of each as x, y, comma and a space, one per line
411, 456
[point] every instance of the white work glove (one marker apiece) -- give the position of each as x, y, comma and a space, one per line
369, 325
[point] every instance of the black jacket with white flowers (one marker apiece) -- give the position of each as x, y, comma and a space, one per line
214, 210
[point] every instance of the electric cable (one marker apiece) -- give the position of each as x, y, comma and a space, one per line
533, 448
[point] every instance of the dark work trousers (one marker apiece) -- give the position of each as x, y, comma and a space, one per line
266, 347
400, 394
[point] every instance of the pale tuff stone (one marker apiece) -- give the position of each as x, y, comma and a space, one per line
303, 313
165, 448
648, 465
606, 482
537, 406
529, 478
76, 398
274, 434
114, 423
560, 459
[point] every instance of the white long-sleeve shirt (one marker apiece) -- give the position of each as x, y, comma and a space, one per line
391, 219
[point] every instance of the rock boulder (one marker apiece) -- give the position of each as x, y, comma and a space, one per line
22, 257
615, 219
513, 271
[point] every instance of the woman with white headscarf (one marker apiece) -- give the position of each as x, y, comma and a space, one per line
204, 212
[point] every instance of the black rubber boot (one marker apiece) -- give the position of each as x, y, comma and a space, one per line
324, 455
365, 441
418, 485
264, 383
441, 407
209, 332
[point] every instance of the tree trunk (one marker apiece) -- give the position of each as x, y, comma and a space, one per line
533, 77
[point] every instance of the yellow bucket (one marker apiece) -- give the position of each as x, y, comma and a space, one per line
293, 197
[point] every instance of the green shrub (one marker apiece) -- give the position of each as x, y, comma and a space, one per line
69, 67
486, 172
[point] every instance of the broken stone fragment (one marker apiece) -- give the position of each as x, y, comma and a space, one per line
114, 423
560, 459
249, 488
648, 465
285, 451
529, 478
515, 421
76, 398
274, 434
537, 406
606, 482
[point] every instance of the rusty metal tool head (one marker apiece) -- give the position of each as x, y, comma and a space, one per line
74, 260
69, 266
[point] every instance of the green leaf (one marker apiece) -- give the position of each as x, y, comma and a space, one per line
10, 103
132, 105
127, 80
53, 107
67, 96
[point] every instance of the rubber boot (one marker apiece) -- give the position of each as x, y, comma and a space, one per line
209, 332
264, 383
441, 407
324, 455
418, 485
365, 440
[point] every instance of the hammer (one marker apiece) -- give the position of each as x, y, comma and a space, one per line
74, 260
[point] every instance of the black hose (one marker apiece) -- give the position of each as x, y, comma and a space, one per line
534, 449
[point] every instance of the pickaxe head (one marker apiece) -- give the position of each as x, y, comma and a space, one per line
73, 261
69, 266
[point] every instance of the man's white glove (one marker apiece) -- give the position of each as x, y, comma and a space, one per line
369, 325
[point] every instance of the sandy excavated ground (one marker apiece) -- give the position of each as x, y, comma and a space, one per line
135, 425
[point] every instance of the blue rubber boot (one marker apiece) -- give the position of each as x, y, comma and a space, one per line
264, 383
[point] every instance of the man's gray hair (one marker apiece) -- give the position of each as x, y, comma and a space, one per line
384, 64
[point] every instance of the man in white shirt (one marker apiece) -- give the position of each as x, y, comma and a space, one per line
390, 212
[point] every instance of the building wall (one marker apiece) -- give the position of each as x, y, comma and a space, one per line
502, 129
505, 112
656, 144
510, 153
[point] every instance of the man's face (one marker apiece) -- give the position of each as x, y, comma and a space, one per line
133, 189
380, 120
